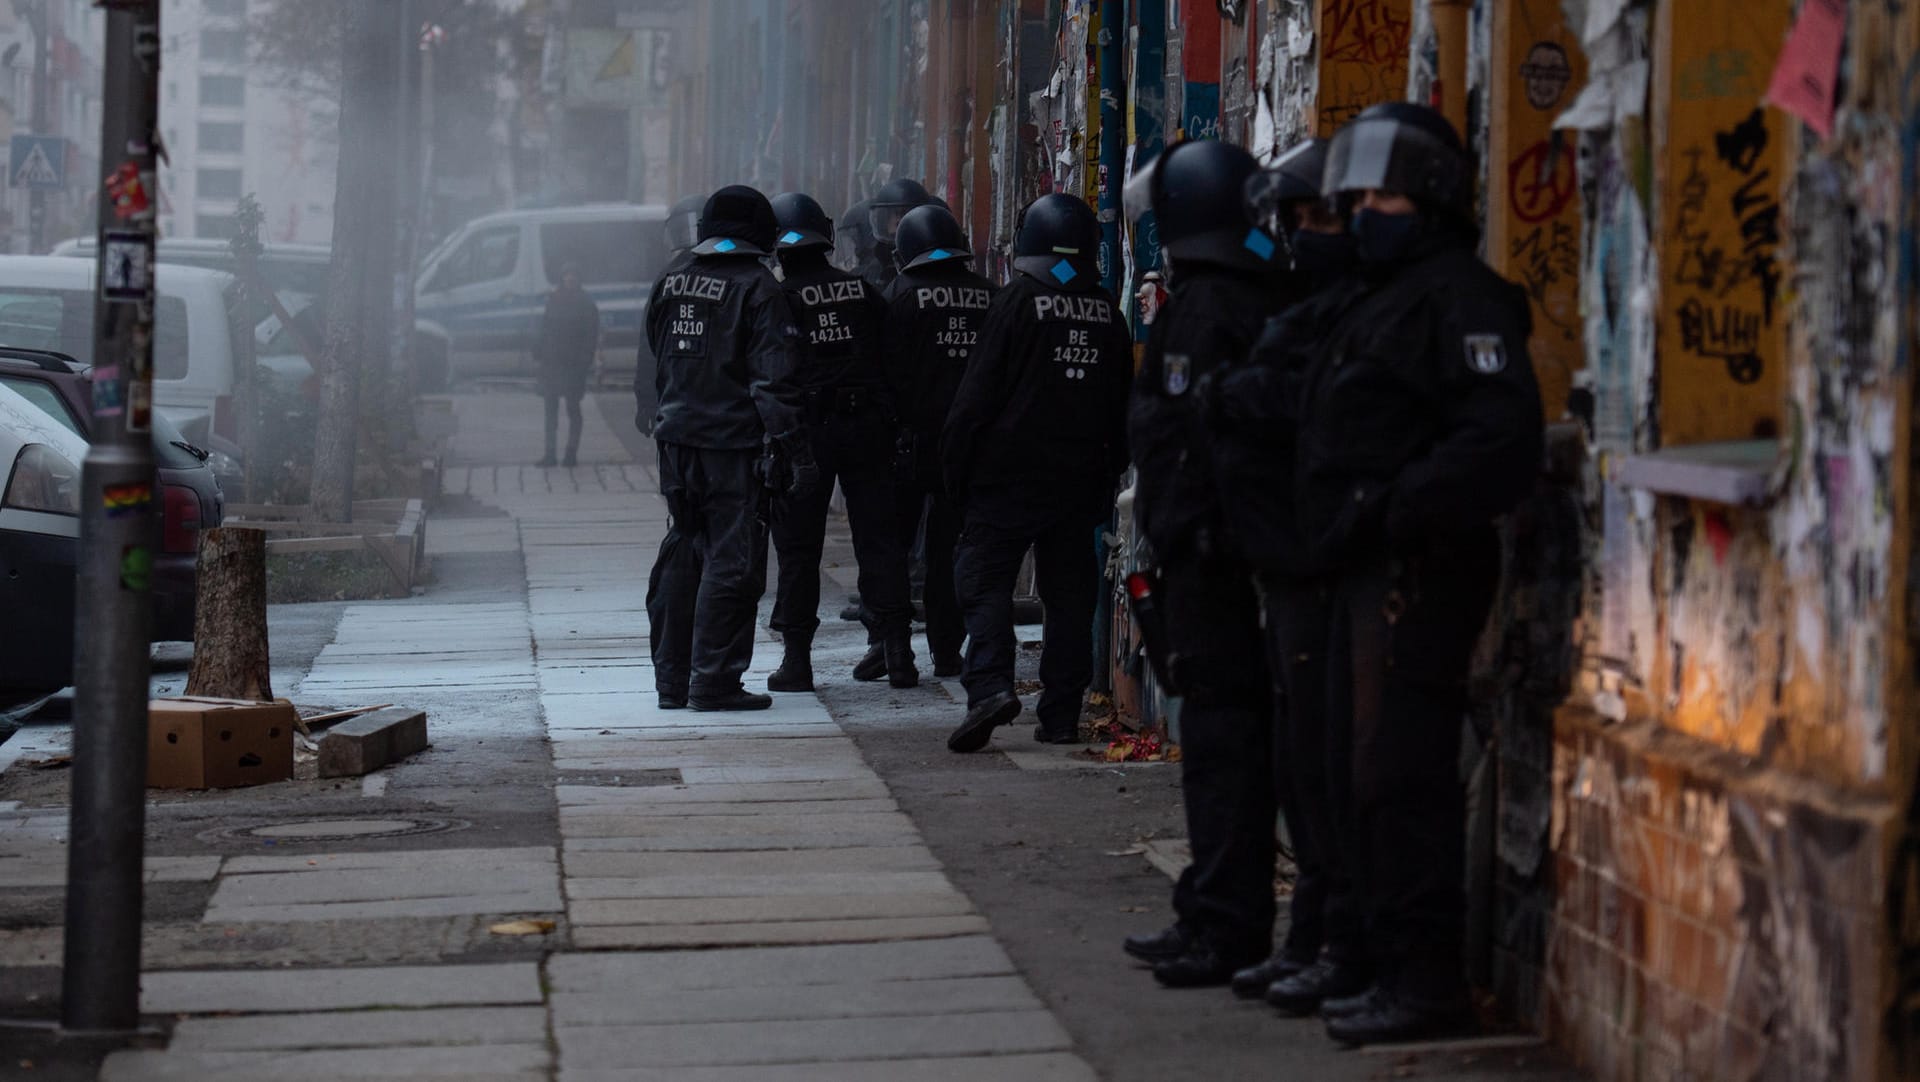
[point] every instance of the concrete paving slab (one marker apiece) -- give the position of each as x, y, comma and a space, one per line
1048, 1067
485, 1063
832, 1040
774, 933
772, 841
364, 1029
885, 999
518, 903
751, 775
417, 858
636, 734
357, 885
45, 865
868, 788
771, 967
290, 990
765, 910
577, 827
594, 820
812, 862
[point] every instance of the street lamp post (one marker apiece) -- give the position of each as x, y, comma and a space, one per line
101, 979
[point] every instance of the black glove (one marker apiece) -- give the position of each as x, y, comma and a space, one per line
803, 473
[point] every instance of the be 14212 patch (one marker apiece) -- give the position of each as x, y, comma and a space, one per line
1486, 354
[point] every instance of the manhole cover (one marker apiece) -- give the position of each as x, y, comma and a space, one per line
327, 830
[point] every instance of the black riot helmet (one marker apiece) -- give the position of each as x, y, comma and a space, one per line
929, 234
1406, 149
737, 220
891, 203
852, 238
683, 224
803, 222
1197, 193
1057, 242
1293, 178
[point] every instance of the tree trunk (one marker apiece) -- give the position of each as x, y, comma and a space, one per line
230, 659
362, 227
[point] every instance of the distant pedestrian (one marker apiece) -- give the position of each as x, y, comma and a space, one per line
569, 341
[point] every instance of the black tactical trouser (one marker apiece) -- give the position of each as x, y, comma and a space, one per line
1312, 773
1226, 737
1000, 527
715, 500
671, 590
853, 448
1404, 634
946, 631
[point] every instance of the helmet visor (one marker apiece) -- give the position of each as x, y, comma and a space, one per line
1137, 196
885, 221
1389, 156
683, 231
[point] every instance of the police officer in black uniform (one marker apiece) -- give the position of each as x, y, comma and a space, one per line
936, 307
853, 239
1420, 424
1227, 278
1034, 444
1322, 956
728, 348
884, 211
677, 565
850, 420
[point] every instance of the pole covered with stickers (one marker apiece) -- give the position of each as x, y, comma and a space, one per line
117, 533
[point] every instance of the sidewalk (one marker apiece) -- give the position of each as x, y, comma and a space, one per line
816, 892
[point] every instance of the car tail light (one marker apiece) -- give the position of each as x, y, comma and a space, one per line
180, 529
224, 422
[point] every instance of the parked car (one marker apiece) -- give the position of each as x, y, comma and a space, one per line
297, 268
485, 287
201, 335
39, 544
190, 496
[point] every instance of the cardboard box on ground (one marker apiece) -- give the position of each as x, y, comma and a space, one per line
201, 743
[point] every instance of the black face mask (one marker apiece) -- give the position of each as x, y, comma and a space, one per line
1320, 256
1385, 239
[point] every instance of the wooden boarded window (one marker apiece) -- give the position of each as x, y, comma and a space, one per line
1533, 190
1363, 58
1721, 160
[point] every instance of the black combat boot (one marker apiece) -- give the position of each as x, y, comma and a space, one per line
728, 701
983, 718
873, 666
899, 659
796, 664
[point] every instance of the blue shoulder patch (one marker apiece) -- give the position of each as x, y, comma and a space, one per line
1260, 244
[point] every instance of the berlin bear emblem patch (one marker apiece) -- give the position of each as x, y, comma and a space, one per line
1486, 354
1179, 373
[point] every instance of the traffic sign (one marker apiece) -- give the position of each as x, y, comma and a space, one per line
38, 163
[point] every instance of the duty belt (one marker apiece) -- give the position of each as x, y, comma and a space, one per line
841, 400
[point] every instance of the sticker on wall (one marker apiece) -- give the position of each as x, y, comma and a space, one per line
127, 273
107, 400
136, 568
127, 191
121, 501
139, 406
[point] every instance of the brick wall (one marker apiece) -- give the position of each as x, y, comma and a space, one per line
1715, 919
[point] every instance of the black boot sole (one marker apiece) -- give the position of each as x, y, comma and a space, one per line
740, 705
977, 731
778, 682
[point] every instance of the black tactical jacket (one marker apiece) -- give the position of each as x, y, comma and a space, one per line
1042, 408
728, 346
840, 317
934, 316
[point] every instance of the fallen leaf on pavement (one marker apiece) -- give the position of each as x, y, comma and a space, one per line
522, 927
1129, 851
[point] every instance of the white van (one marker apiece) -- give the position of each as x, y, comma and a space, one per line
288, 268
200, 332
485, 287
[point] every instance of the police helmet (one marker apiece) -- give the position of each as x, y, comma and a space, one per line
1196, 191
929, 234
1292, 179
1057, 241
683, 223
891, 203
737, 220
803, 223
1404, 148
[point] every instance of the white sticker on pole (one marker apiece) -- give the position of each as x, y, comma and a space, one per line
127, 269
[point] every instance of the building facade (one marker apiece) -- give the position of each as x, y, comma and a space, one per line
1694, 818
50, 85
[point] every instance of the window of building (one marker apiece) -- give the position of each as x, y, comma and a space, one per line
219, 184
223, 45
223, 90
222, 138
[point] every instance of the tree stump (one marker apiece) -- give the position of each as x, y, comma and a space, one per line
230, 658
